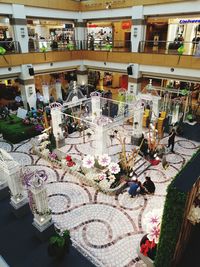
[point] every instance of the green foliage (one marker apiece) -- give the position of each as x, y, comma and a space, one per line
15, 131
60, 240
171, 223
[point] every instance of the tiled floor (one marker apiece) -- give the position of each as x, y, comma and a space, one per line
106, 229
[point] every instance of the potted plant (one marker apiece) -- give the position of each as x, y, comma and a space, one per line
59, 244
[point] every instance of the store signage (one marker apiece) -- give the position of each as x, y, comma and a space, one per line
92, 25
185, 21
126, 25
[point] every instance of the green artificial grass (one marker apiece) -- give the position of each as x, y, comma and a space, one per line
15, 131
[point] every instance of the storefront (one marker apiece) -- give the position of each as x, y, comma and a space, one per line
49, 33
171, 33
6, 33
109, 35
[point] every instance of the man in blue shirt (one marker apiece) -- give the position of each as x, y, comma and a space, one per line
133, 190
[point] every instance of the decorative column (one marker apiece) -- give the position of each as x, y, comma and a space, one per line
96, 105
155, 107
81, 34
4, 192
20, 26
56, 118
45, 91
11, 172
137, 124
38, 202
58, 90
41, 212
100, 141
18, 195
82, 75
27, 86
138, 28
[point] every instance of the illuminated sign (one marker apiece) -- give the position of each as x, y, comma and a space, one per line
185, 21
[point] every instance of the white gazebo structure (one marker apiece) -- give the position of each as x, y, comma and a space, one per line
101, 115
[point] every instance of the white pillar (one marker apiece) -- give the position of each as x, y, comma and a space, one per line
138, 27
45, 91
81, 33
58, 90
155, 107
137, 122
27, 86
20, 26
96, 106
134, 80
100, 141
41, 210
56, 118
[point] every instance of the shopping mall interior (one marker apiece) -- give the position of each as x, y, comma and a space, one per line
99, 133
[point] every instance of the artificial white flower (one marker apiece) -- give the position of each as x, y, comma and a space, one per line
111, 178
102, 176
154, 233
88, 161
104, 184
104, 160
114, 168
152, 218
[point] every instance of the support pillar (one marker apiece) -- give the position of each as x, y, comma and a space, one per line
81, 34
20, 26
27, 86
138, 29
134, 81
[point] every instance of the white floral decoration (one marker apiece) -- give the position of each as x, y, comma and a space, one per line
102, 176
88, 161
114, 168
152, 221
104, 160
154, 233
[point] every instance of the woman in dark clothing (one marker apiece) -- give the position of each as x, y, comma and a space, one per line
149, 185
171, 140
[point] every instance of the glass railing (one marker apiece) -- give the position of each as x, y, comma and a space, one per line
163, 47
45, 46
9, 47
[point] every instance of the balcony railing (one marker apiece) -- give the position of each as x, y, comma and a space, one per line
163, 47
96, 45
9, 47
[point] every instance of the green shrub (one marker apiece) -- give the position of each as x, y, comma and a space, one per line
15, 131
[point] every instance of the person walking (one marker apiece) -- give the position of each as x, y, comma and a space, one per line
171, 140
